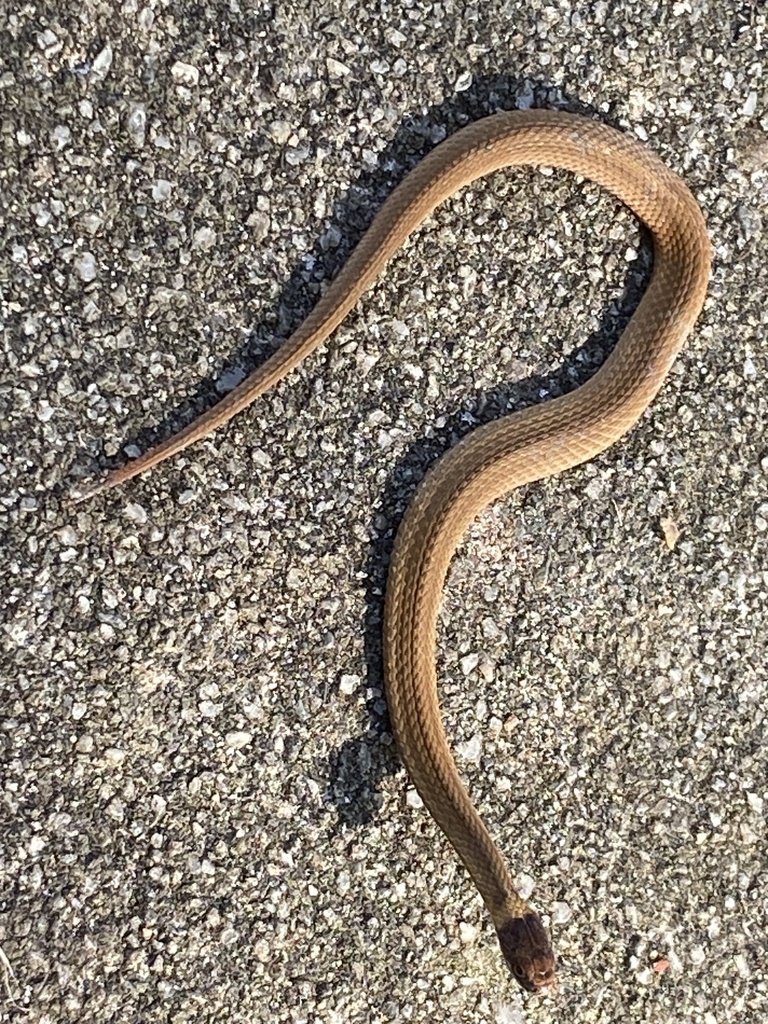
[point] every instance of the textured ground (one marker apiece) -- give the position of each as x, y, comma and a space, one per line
203, 817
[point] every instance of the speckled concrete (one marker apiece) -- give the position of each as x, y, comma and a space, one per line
203, 817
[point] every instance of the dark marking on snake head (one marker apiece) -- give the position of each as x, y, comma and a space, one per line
526, 948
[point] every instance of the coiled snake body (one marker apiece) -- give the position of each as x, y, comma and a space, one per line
499, 456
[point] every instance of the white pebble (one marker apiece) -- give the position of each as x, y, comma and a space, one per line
136, 124
67, 535
237, 740
135, 512
594, 489
487, 669
280, 131
508, 1014
413, 800
61, 136
561, 913
85, 265
102, 62
185, 74
348, 684
471, 750
294, 579
161, 190
469, 663
524, 884
755, 802
463, 82
261, 458
116, 809
46, 39
336, 69
742, 965
36, 844
259, 224
750, 106
204, 238
394, 37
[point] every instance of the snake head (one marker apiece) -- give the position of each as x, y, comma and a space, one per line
526, 949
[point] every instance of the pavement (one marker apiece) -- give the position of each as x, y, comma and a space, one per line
204, 817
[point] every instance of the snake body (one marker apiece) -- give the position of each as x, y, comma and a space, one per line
495, 458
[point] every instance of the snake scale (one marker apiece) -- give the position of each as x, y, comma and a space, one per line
497, 457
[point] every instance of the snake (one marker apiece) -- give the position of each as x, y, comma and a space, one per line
497, 457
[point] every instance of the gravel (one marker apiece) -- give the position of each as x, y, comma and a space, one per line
204, 816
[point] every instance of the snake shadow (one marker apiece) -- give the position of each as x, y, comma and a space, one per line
357, 769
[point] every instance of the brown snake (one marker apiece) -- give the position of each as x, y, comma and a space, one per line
499, 456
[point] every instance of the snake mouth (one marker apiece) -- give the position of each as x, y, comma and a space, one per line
527, 950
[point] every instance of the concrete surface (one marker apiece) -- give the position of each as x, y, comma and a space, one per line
204, 818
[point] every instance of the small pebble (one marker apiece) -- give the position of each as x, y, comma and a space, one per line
348, 684
237, 740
